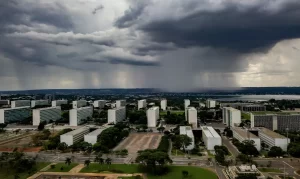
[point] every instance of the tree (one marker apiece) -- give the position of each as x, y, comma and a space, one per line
87, 163
182, 141
229, 133
2, 126
62, 146
41, 126
275, 151
223, 148
185, 173
220, 156
68, 161
161, 129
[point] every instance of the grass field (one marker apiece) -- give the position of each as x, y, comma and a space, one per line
273, 170
25, 175
245, 116
66, 167
163, 113
175, 171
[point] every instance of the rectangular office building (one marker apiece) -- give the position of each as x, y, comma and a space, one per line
120, 103
45, 114
231, 116
210, 137
191, 115
152, 116
74, 136
210, 103
163, 104
79, 104
4, 102
276, 121
116, 115
12, 115
272, 138
99, 104
79, 115
35, 103
187, 130
92, 137
20, 103
142, 104
187, 102
59, 102
243, 134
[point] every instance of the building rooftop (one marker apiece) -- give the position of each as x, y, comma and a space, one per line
274, 113
191, 108
7, 109
97, 131
244, 133
154, 108
55, 107
76, 131
210, 132
186, 130
270, 133
114, 109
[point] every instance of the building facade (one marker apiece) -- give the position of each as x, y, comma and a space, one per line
276, 121
272, 138
187, 102
142, 104
116, 115
187, 130
192, 116
243, 134
58, 103
99, 104
79, 104
35, 103
4, 102
247, 107
231, 116
20, 103
120, 103
163, 104
12, 115
210, 137
93, 136
45, 114
74, 136
210, 103
79, 115
152, 116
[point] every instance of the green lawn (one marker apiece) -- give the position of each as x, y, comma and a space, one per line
163, 113
175, 171
66, 167
10, 175
274, 170
114, 168
245, 116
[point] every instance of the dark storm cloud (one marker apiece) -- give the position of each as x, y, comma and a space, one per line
112, 60
253, 28
100, 7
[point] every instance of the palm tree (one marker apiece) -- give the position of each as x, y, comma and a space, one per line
68, 161
101, 161
108, 161
87, 163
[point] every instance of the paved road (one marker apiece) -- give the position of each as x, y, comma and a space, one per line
233, 150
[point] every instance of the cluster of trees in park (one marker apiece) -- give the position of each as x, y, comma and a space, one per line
39, 138
275, 152
164, 144
294, 146
180, 142
294, 149
137, 117
228, 132
246, 147
153, 161
283, 104
221, 152
173, 118
16, 163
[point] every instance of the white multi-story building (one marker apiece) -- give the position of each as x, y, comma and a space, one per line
191, 116
79, 104
116, 115
210, 137
79, 115
59, 102
92, 137
276, 121
120, 103
11, 115
45, 114
99, 104
272, 138
187, 130
243, 134
152, 116
20, 103
163, 104
142, 104
210, 103
187, 102
74, 136
35, 103
231, 116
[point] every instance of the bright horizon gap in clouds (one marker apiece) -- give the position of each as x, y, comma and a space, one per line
173, 45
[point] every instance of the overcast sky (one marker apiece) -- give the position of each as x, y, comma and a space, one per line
177, 45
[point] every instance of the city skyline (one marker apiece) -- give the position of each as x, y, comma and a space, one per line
173, 45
